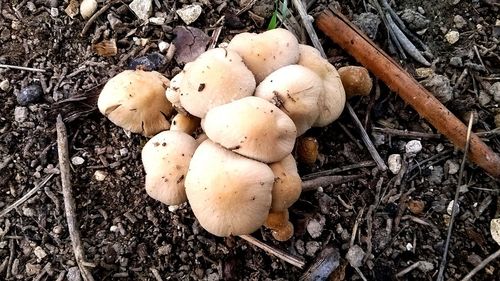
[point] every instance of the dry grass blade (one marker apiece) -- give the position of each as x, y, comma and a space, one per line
298, 262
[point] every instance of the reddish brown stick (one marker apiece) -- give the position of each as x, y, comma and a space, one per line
346, 35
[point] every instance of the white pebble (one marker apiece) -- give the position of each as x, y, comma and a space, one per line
113, 228
190, 13
88, 8
173, 208
394, 163
5, 85
100, 175
449, 209
452, 37
77, 160
409, 246
452, 166
413, 147
157, 21
54, 12
124, 151
39, 252
163, 46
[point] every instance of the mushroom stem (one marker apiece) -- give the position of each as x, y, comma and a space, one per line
281, 228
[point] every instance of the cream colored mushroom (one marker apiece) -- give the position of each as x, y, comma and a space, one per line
252, 127
166, 159
185, 123
266, 52
295, 90
135, 100
332, 100
229, 194
173, 92
216, 77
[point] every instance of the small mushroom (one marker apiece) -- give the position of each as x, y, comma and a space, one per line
286, 190
295, 90
135, 100
173, 91
216, 77
166, 159
332, 100
186, 123
356, 80
307, 150
266, 52
229, 194
252, 127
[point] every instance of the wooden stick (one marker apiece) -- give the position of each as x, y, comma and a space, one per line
8, 66
69, 202
298, 262
344, 33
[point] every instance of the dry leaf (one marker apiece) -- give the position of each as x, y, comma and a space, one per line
106, 48
72, 9
189, 42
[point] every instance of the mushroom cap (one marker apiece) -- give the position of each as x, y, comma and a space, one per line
216, 77
331, 102
356, 80
173, 93
166, 159
185, 123
287, 184
135, 100
307, 150
252, 127
229, 194
295, 90
266, 52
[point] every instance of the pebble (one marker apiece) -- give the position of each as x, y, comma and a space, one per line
439, 147
451, 166
214, 276
100, 175
77, 160
124, 151
368, 23
31, 6
311, 248
88, 8
456, 61
114, 22
355, 256
452, 37
450, 208
29, 94
73, 274
39, 252
315, 226
426, 266
58, 229
32, 269
495, 91
459, 21
173, 208
394, 163
414, 19
20, 114
157, 21
5, 85
299, 246
423, 72
436, 175
163, 46
484, 98
440, 87
495, 230
142, 8
54, 12
164, 250
413, 147
190, 13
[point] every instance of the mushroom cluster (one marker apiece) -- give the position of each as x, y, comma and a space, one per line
246, 104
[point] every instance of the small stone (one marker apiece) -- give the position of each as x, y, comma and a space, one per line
423, 72
495, 91
414, 19
163, 46
114, 22
394, 163
164, 250
439, 147
436, 175
77, 160
312, 247
142, 8
484, 98
214, 276
173, 208
416, 207
123, 151
456, 61
368, 23
440, 87
157, 21
421, 10
113, 228
32, 269
5, 85
29, 94
452, 37
73, 274
20, 114
31, 6
88, 8
299, 246
495, 230
451, 166
54, 12
100, 175
58, 229
449, 209
315, 226
413, 147
150, 62
39, 252
426, 266
459, 21
190, 13
409, 246
355, 256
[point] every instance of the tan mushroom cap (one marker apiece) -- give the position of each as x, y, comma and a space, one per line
216, 77
166, 159
287, 184
356, 80
252, 127
229, 194
332, 100
295, 90
266, 52
135, 100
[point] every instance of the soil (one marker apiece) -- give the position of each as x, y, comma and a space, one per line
127, 235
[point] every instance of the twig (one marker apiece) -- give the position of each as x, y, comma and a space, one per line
11, 259
295, 261
360, 273
26, 196
406, 134
69, 202
366, 139
307, 21
21, 68
96, 15
349, 134
442, 266
333, 171
312, 184
353, 41
408, 269
481, 265
355, 227
156, 274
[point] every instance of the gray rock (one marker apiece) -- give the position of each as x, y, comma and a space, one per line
54, 12
459, 21
5, 85
413, 147
484, 98
31, 6
73, 274
452, 37
495, 91
190, 13
414, 19
30, 94
368, 23
32, 269
451, 166
312, 247
114, 22
315, 226
355, 256
456, 61
440, 87
142, 8
299, 246
436, 175
20, 114
394, 163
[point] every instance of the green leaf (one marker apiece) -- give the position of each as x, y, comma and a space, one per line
274, 21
